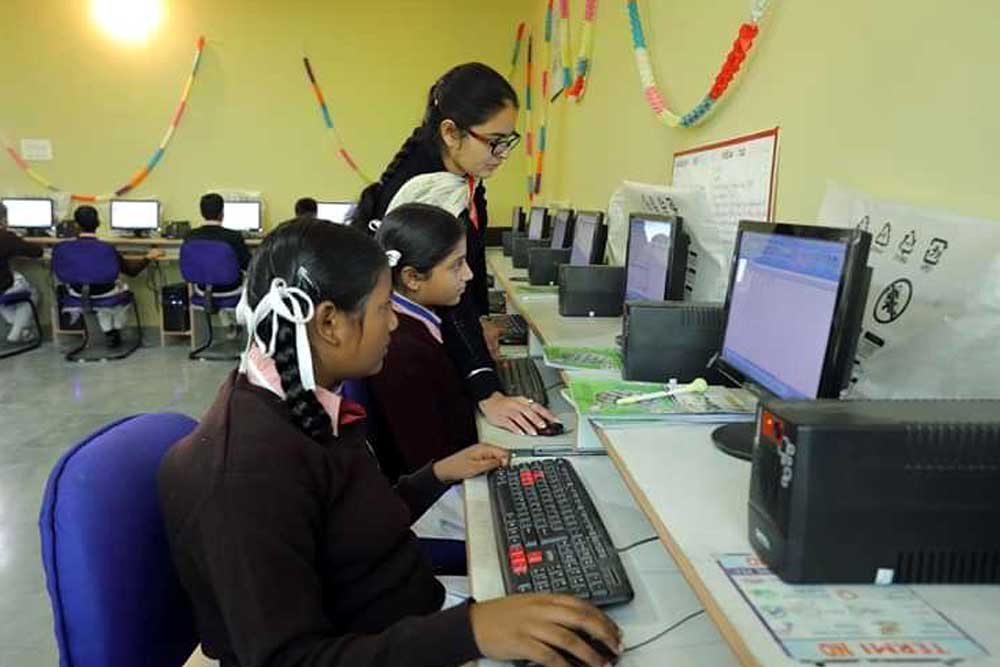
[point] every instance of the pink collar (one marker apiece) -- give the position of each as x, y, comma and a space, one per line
261, 372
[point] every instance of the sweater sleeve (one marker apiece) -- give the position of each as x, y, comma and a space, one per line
420, 490
24, 249
260, 548
463, 338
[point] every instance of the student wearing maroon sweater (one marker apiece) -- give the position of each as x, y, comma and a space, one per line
293, 547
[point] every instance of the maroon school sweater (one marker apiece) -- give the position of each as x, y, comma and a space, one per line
422, 409
296, 552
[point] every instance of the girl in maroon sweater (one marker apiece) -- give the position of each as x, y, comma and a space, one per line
294, 549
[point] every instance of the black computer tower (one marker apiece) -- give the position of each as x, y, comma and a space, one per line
522, 244
591, 291
176, 314
543, 264
671, 339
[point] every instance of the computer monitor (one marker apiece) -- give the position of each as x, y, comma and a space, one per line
562, 229
538, 222
334, 211
655, 258
589, 238
134, 215
517, 220
29, 213
794, 308
243, 216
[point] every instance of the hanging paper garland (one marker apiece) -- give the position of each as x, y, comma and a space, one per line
517, 50
139, 176
576, 89
328, 121
529, 137
734, 59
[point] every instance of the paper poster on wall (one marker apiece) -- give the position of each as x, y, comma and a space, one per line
825, 624
36, 150
928, 267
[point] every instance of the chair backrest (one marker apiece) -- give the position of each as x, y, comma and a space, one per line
209, 263
116, 598
85, 262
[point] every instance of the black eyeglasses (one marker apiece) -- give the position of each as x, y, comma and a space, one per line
499, 146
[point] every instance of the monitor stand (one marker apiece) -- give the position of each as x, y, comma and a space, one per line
140, 233
37, 232
736, 440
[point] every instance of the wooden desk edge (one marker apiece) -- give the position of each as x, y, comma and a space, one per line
726, 628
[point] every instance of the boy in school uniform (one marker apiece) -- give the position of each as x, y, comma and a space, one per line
17, 316
211, 229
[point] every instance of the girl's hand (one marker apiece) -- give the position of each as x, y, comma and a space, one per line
471, 462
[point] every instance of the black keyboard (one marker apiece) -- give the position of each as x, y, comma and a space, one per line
520, 377
515, 329
551, 538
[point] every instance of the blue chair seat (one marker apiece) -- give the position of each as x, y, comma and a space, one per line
224, 302
9, 298
119, 299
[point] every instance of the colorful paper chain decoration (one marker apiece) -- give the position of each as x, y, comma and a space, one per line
535, 183
574, 89
529, 137
328, 121
518, 39
738, 53
139, 176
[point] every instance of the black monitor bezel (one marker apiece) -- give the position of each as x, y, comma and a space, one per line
111, 217
845, 325
518, 220
52, 210
260, 214
675, 248
567, 238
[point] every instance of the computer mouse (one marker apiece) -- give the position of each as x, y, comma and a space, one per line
602, 650
552, 428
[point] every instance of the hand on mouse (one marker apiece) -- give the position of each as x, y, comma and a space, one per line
471, 462
537, 626
516, 414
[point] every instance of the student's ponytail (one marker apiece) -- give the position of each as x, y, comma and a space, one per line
468, 95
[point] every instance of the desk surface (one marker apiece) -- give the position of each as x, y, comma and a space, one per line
695, 499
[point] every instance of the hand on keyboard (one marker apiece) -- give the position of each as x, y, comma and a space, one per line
545, 629
471, 462
516, 414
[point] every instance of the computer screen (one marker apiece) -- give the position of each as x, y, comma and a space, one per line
649, 254
536, 225
29, 212
334, 211
562, 229
517, 219
584, 235
134, 214
243, 216
782, 302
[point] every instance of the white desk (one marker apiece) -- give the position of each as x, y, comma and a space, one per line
696, 502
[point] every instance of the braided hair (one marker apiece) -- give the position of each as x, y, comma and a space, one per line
329, 263
468, 95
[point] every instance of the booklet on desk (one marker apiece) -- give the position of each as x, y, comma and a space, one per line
534, 291
583, 358
596, 398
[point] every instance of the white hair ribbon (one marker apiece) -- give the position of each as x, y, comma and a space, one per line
280, 303
373, 225
393, 256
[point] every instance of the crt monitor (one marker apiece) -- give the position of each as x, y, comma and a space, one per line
794, 307
334, 211
589, 238
29, 212
537, 222
134, 215
243, 216
562, 229
655, 258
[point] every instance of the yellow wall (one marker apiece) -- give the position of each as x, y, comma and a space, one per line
896, 97
252, 122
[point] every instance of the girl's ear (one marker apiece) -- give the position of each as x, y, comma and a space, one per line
450, 133
328, 323
411, 278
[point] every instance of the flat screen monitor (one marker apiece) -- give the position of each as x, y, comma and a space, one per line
653, 258
243, 216
589, 238
29, 212
517, 219
335, 211
537, 222
562, 229
793, 313
134, 215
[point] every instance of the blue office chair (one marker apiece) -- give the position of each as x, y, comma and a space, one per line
85, 262
208, 266
447, 557
116, 598
12, 299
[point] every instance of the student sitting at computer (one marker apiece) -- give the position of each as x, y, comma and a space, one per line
211, 229
413, 427
111, 319
307, 207
292, 546
18, 316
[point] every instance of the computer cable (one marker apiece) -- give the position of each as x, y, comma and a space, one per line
662, 633
629, 547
